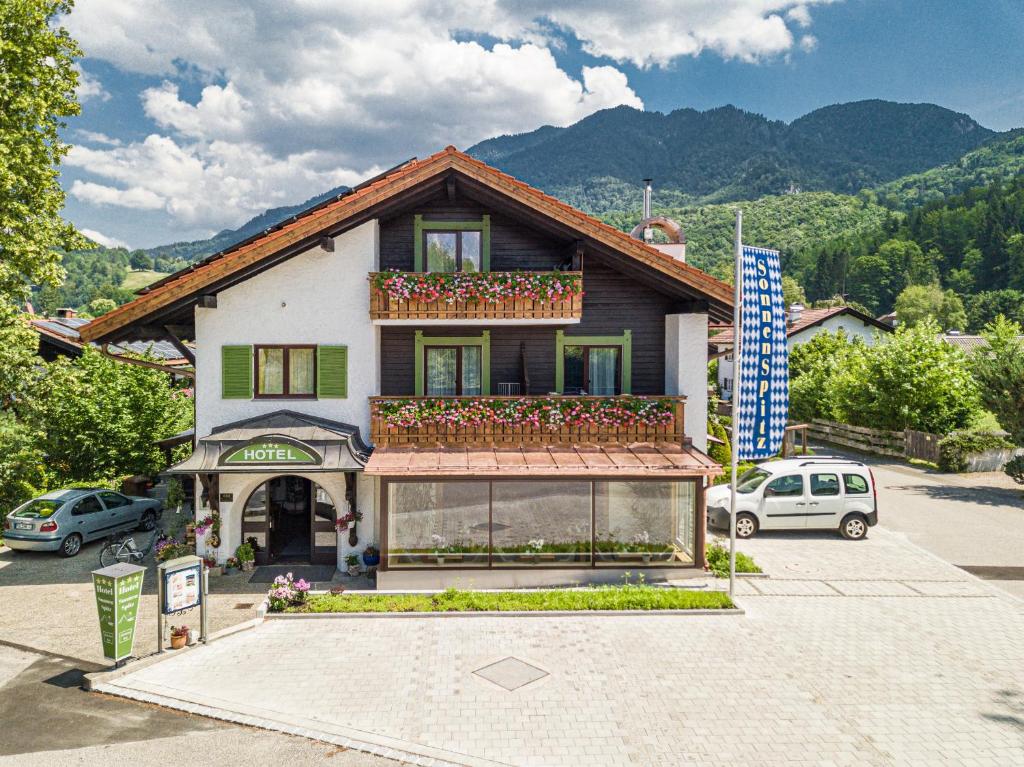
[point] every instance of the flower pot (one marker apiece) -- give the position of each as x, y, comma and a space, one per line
647, 556
216, 570
371, 560
440, 560
247, 566
353, 570
179, 641
230, 570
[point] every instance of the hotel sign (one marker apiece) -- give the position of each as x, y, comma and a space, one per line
274, 451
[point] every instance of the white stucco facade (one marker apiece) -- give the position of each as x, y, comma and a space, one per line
686, 370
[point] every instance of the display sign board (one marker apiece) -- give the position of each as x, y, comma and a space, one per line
182, 580
762, 401
118, 589
270, 451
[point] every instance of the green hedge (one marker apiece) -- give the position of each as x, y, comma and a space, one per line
955, 449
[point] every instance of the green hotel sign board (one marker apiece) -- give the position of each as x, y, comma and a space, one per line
118, 589
269, 452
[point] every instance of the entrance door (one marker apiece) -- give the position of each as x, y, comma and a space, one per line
292, 520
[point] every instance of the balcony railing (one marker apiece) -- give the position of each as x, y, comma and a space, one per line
550, 420
492, 296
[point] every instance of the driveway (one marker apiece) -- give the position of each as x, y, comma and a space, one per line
975, 521
874, 653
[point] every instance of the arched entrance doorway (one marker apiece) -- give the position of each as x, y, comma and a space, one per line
292, 519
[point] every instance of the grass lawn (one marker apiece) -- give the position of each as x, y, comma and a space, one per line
141, 278
630, 597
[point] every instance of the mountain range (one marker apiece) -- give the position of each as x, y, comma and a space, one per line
721, 155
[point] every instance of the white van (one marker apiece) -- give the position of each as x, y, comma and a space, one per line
800, 494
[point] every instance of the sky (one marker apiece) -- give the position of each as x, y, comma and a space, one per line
199, 114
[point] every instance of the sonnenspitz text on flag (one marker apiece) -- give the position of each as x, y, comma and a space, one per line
762, 405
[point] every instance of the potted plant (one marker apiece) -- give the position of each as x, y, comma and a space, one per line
211, 525
441, 547
343, 522
352, 562
179, 637
371, 556
212, 566
231, 566
246, 556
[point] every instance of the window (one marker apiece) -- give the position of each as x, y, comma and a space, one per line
855, 484
824, 484
786, 487
40, 508
438, 524
453, 371
594, 370
726, 384
644, 522
285, 371
540, 523
751, 480
114, 500
89, 505
453, 251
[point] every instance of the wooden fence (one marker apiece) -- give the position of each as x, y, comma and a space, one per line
905, 443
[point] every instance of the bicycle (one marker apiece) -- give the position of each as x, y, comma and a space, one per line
122, 548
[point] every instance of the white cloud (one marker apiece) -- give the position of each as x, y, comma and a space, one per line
102, 239
96, 137
89, 86
304, 95
808, 43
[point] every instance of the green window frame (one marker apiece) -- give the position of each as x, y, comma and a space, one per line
483, 341
625, 341
238, 369
422, 226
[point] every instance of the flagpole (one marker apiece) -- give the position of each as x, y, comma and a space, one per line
737, 372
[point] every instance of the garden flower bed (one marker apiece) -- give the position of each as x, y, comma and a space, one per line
627, 597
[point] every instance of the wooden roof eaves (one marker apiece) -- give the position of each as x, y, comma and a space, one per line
305, 229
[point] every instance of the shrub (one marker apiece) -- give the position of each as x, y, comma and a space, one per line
1015, 469
720, 453
955, 449
718, 561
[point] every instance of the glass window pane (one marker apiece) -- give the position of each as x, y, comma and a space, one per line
824, 484
437, 524
471, 369
323, 505
648, 523
300, 371
792, 485
271, 371
471, 254
573, 382
254, 517
541, 523
441, 251
441, 371
855, 484
604, 379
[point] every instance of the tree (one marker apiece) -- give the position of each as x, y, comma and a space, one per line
919, 302
999, 370
100, 306
1015, 261
914, 380
811, 366
19, 362
139, 260
22, 465
99, 418
37, 90
792, 292
872, 282
983, 308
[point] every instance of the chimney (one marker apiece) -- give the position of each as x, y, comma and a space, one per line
648, 192
65, 313
795, 312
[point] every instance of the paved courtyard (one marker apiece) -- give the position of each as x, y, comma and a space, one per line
874, 653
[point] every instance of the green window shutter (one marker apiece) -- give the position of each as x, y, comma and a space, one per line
236, 372
332, 372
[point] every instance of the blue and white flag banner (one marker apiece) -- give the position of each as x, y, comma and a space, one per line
762, 405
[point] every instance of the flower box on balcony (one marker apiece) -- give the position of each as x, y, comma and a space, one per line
515, 420
476, 295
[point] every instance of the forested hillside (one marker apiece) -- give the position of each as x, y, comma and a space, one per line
971, 244
727, 154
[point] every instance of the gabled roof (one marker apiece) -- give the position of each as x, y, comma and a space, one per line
359, 205
64, 333
809, 318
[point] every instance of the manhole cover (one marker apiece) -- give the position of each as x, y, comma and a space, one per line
511, 673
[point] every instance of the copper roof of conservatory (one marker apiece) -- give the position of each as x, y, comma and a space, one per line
639, 460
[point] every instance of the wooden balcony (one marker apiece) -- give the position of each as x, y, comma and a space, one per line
484, 420
384, 309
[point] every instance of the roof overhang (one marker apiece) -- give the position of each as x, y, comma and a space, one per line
171, 300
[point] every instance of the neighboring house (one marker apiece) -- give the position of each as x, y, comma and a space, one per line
59, 337
319, 393
802, 325
967, 344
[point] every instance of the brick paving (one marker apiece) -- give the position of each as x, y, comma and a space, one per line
869, 653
